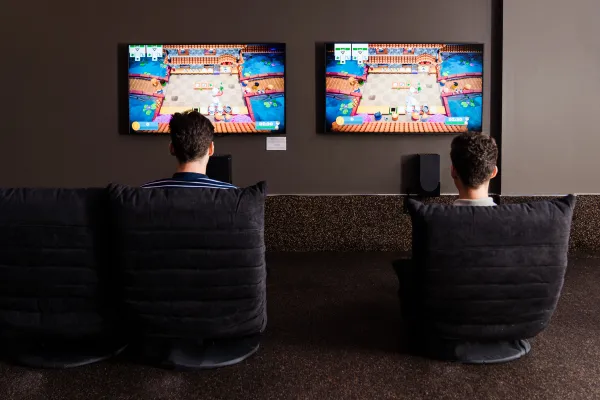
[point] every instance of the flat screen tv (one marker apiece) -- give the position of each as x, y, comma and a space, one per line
398, 88
239, 87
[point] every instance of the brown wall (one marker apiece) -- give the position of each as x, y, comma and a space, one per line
551, 88
59, 92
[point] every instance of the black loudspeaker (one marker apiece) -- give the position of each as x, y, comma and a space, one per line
219, 168
429, 175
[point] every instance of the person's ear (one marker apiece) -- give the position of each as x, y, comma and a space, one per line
171, 149
453, 172
494, 173
211, 149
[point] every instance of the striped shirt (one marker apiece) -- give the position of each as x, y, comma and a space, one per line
188, 180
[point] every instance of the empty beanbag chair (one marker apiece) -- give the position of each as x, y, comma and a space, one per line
54, 312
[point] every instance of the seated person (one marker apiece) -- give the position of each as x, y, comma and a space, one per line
192, 144
474, 157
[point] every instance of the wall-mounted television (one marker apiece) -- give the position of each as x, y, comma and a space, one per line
239, 87
401, 88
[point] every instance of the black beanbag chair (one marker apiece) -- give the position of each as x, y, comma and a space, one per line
55, 310
193, 272
482, 280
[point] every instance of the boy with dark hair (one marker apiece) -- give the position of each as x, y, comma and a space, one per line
474, 157
192, 144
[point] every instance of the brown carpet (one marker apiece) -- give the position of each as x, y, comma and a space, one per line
333, 334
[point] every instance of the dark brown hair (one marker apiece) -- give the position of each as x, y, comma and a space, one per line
191, 135
474, 156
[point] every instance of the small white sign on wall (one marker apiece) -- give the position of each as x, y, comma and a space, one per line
276, 143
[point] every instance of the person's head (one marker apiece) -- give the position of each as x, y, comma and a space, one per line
474, 157
191, 137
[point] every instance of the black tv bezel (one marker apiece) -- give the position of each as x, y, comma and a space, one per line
325, 130
127, 130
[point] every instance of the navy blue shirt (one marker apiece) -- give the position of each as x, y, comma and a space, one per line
188, 180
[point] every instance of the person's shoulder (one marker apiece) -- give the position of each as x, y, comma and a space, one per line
486, 202
216, 183
201, 183
155, 183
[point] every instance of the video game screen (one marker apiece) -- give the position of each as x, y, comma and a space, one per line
403, 88
239, 87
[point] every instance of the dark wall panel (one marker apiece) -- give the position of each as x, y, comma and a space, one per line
60, 96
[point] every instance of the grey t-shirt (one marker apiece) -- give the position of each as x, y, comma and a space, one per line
487, 202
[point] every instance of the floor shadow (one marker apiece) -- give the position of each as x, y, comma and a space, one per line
348, 325
358, 310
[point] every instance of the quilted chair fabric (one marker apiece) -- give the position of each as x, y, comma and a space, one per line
192, 260
488, 273
53, 252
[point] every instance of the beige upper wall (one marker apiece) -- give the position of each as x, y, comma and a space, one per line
551, 97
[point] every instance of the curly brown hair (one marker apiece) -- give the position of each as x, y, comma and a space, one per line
191, 135
474, 157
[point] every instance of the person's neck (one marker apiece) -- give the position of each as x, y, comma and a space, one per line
473, 194
196, 167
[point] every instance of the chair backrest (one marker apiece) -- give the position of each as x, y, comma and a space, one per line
52, 243
490, 272
192, 260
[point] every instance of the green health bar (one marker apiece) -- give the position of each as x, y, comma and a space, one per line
267, 125
457, 121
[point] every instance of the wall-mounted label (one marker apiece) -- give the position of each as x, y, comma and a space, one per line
276, 143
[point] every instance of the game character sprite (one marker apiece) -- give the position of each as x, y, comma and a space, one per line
215, 96
411, 104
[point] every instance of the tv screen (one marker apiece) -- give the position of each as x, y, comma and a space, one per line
239, 87
403, 88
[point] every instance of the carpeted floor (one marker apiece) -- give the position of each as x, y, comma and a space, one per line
333, 334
